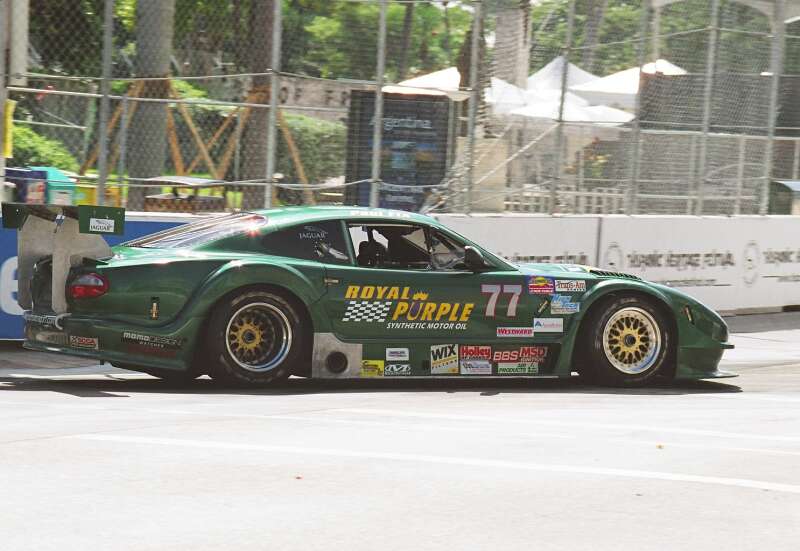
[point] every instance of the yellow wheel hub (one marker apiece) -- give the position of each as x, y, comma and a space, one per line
632, 340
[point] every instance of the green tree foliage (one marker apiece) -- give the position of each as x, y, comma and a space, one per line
32, 149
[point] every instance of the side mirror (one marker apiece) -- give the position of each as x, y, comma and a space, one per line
474, 260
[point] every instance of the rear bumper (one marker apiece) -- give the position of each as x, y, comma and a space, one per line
168, 347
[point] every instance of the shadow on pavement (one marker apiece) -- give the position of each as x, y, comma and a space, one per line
109, 387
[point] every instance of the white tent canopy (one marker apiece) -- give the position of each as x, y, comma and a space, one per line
620, 89
505, 97
549, 77
447, 80
575, 113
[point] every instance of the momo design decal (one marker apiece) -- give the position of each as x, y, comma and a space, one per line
404, 308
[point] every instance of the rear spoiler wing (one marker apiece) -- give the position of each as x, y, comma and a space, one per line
67, 233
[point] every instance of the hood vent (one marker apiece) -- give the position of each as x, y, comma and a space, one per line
603, 273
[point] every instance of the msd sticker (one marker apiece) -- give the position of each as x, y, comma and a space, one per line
548, 325
570, 286
444, 359
539, 285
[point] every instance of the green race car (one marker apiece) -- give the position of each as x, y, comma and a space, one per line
343, 292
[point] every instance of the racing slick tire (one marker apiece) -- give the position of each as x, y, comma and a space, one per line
255, 338
626, 341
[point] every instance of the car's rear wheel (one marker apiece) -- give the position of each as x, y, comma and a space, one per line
255, 338
626, 342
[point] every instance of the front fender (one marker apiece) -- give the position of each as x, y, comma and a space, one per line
596, 293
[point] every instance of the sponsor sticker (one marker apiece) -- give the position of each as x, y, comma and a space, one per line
514, 332
476, 367
521, 354
545, 304
372, 368
517, 368
397, 370
563, 305
51, 337
548, 325
46, 320
312, 232
540, 285
473, 352
570, 286
153, 345
101, 225
397, 354
85, 343
403, 308
444, 359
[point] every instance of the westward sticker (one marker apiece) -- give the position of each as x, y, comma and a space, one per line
102, 225
515, 331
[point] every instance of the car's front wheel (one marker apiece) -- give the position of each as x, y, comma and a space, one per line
255, 338
626, 342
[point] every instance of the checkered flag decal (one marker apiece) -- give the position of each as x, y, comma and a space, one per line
368, 311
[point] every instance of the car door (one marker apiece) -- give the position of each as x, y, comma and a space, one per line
402, 298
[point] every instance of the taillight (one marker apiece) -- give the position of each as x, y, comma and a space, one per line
88, 286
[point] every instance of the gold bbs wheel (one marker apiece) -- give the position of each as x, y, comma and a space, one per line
632, 340
258, 337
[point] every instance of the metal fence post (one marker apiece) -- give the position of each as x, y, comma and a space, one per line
474, 100
560, 130
4, 7
123, 140
105, 103
776, 67
636, 130
377, 125
274, 89
711, 67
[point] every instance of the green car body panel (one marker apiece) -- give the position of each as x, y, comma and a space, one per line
366, 313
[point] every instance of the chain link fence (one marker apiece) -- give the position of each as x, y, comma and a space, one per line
543, 106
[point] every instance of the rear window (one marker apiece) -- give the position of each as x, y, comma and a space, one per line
202, 232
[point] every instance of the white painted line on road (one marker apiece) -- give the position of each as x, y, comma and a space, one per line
445, 460
614, 426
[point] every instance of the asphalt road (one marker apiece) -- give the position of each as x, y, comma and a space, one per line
93, 457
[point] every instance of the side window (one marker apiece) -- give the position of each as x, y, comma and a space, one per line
320, 241
446, 254
390, 246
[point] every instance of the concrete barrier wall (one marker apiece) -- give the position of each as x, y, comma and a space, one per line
733, 264
741, 264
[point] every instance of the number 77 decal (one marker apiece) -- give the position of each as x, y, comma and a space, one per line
494, 292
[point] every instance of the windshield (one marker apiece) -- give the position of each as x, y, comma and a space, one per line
202, 232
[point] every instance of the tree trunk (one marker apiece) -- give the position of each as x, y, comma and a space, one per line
447, 33
254, 138
408, 27
512, 51
147, 138
594, 20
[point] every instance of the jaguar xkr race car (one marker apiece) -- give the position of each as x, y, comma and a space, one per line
341, 292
